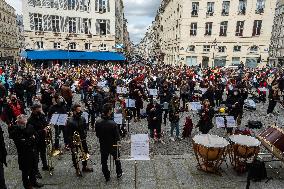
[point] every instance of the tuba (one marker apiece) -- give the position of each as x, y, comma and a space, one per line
77, 142
51, 152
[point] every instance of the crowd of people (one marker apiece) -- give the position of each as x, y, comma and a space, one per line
29, 97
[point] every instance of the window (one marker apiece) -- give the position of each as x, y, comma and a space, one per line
260, 5
72, 25
71, 4
240, 28
102, 47
221, 49
254, 49
236, 61
88, 46
103, 27
256, 27
210, 8
55, 23
191, 48
242, 7
38, 22
102, 6
86, 25
208, 28
225, 8
195, 8
72, 46
193, 29
56, 45
39, 44
223, 28
237, 48
206, 48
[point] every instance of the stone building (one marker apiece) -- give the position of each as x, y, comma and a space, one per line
215, 32
277, 39
89, 25
9, 48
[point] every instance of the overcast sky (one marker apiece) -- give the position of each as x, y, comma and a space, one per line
139, 13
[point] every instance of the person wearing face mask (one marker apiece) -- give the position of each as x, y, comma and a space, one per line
77, 123
59, 108
25, 137
154, 115
108, 133
39, 122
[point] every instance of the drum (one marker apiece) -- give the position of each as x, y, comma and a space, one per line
243, 149
273, 139
210, 151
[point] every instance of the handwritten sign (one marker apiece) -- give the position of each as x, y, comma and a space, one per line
140, 147
117, 118
130, 103
195, 106
153, 92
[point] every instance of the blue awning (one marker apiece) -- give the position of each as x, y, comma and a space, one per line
72, 55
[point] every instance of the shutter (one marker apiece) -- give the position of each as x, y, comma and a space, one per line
108, 27
49, 25
32, 21
62, 24
108, 6
97, 27
44, 20
96, 6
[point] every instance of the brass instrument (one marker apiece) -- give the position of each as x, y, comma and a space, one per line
83, 156
51, 151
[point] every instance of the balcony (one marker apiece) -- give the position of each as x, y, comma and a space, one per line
259, 11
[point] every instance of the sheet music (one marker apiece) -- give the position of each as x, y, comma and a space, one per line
86, 116
231, 122
140, 147
54, 118
121, 90
130, 103
220, 122
62, 119
195, 106
117, 118
153, 92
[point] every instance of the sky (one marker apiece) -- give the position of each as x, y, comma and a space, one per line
139, 13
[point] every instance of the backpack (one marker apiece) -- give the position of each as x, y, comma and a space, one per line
256, 172
254, 124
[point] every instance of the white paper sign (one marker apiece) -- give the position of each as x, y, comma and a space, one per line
140, 147
130, 103
117, 118
195, 106
121, 90
153, 92
220, 122
86, 116
231, 122
54, 118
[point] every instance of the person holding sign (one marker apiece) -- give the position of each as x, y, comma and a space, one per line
206, 115
108, 133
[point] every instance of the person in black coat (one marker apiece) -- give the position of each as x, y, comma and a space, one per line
155, 113
108, 133
209, 94
3, 155
39, 122
24, 137
77, 123
59, 108
206, 116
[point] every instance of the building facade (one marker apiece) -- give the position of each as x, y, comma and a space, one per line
89, 25
216, 32
21, 36
277, 39
9, 48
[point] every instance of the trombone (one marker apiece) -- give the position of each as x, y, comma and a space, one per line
51, 151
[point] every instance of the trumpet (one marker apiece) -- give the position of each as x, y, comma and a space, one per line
51, 151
